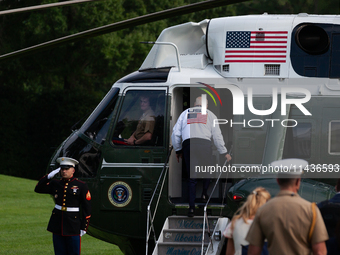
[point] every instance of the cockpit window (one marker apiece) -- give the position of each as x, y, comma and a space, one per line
298, 141
141, 119
98, 123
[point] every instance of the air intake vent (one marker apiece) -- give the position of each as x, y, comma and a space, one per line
226, 68
312, 39
272, 70
147, 193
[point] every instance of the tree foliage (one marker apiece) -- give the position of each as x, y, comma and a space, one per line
288, 7
44, 94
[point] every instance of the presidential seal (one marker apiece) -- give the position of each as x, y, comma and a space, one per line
120, 194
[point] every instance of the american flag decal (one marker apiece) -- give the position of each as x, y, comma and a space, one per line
197, 118
256, 47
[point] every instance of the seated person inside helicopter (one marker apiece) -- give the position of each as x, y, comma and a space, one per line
143, 126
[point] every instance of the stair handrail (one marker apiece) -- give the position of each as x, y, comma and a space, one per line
206, 215
150, 217
230, 146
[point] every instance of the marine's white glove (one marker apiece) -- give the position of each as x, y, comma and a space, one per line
82, 232
53, 173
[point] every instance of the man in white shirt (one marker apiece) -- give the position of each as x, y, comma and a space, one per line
192, 135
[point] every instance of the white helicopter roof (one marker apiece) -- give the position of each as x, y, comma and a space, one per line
239, 46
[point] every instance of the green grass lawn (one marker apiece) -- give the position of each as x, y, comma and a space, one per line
24, 215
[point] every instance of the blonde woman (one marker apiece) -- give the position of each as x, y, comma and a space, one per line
237, 229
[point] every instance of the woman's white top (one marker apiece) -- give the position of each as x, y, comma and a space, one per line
239, 234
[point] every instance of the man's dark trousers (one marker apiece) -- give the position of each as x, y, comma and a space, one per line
196, 152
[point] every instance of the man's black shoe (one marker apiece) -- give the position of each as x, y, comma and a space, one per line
191, 212
204, 198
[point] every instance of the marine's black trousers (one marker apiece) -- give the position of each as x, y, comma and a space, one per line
66, 245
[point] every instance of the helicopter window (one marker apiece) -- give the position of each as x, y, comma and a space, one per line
98, 123
298, 141
141, 119
87, 155
334, 137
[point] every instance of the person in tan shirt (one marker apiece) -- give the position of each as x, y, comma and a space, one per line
285, 220
145, 125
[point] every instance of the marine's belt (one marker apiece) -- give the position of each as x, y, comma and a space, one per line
67, 209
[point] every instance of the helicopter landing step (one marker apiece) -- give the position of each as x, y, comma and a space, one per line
198, 205
184, 235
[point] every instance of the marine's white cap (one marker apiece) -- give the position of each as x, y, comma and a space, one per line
289, 168
64, 161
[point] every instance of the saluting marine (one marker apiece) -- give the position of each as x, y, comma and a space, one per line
71, 214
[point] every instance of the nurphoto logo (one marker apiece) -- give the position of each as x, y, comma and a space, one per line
238, 96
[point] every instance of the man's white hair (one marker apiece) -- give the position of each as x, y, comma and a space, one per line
199, 101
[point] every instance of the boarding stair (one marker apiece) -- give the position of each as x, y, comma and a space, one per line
198, 235
184, 235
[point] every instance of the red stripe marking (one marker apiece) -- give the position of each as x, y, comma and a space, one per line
268, 42
270, 32
265, 46
255, 56
255, 51
256, 61
268, 37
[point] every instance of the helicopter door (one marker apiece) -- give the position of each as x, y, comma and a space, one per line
137, 148
184, 97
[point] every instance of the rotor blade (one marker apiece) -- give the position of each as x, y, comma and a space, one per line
121, 25
44, 6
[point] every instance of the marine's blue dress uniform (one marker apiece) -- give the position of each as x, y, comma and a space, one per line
71, 214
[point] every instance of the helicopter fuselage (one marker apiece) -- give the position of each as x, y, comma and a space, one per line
271, 80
